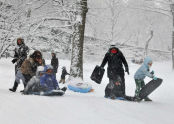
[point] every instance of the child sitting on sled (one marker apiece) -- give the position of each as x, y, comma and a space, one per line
44, 81
140, 75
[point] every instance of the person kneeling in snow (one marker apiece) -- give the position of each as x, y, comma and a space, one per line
34, 83
140, 75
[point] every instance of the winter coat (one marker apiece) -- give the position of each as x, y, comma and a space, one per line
20, 55
64, 73
55, 64
29, 67
143, 71
49, 81
115, 63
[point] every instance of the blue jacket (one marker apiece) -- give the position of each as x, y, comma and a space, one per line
143, 71
49, 81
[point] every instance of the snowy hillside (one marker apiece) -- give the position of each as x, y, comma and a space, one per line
91, 108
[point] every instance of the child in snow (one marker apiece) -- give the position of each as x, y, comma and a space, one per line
44, 81
34, 83
140, 75
48, 79
64, 73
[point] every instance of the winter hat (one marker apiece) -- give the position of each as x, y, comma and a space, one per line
63, 67
40, 69
47, 67
36, 54
112, 46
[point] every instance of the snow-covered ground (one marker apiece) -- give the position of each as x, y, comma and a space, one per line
90, 108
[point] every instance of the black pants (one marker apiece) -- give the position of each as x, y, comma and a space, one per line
27, 78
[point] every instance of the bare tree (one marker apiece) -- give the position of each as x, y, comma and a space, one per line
113, 6
170, 10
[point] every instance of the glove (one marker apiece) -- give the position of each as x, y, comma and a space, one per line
154, 78
14, 60
152, 72
127, 70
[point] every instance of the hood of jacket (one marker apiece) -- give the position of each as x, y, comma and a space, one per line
147, 60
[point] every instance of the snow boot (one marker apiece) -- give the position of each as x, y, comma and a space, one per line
64, 89
137, 99
147, 99
14, 87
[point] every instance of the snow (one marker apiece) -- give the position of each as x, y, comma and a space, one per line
90, 108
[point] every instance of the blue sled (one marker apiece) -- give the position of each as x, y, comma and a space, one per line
119, 98
76, 89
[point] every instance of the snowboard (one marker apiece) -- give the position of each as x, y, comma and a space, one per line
149, 88
97, 74
49, 93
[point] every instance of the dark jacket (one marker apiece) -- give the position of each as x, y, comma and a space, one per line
64, 73
20, 55
55, 63
115, 63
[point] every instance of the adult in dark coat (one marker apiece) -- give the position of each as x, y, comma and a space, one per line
54, 63
20, 55
115, 59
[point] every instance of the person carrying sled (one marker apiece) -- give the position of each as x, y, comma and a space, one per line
54, 63
140, 75
28, 69
20, 55
64, 73
115, 59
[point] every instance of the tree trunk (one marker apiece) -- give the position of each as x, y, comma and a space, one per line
76, 70
172, 10
173, 49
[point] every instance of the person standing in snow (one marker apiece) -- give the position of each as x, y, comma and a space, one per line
115, 59
54, 63
20, 55
140, 75
28, 69
64, 73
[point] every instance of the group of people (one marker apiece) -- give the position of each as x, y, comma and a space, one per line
35, 75
115, 72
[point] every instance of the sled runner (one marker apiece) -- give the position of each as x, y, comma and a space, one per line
97, 74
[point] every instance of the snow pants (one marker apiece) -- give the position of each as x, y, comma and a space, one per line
139, 84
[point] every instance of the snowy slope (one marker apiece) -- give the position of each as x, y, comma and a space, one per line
91, 108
